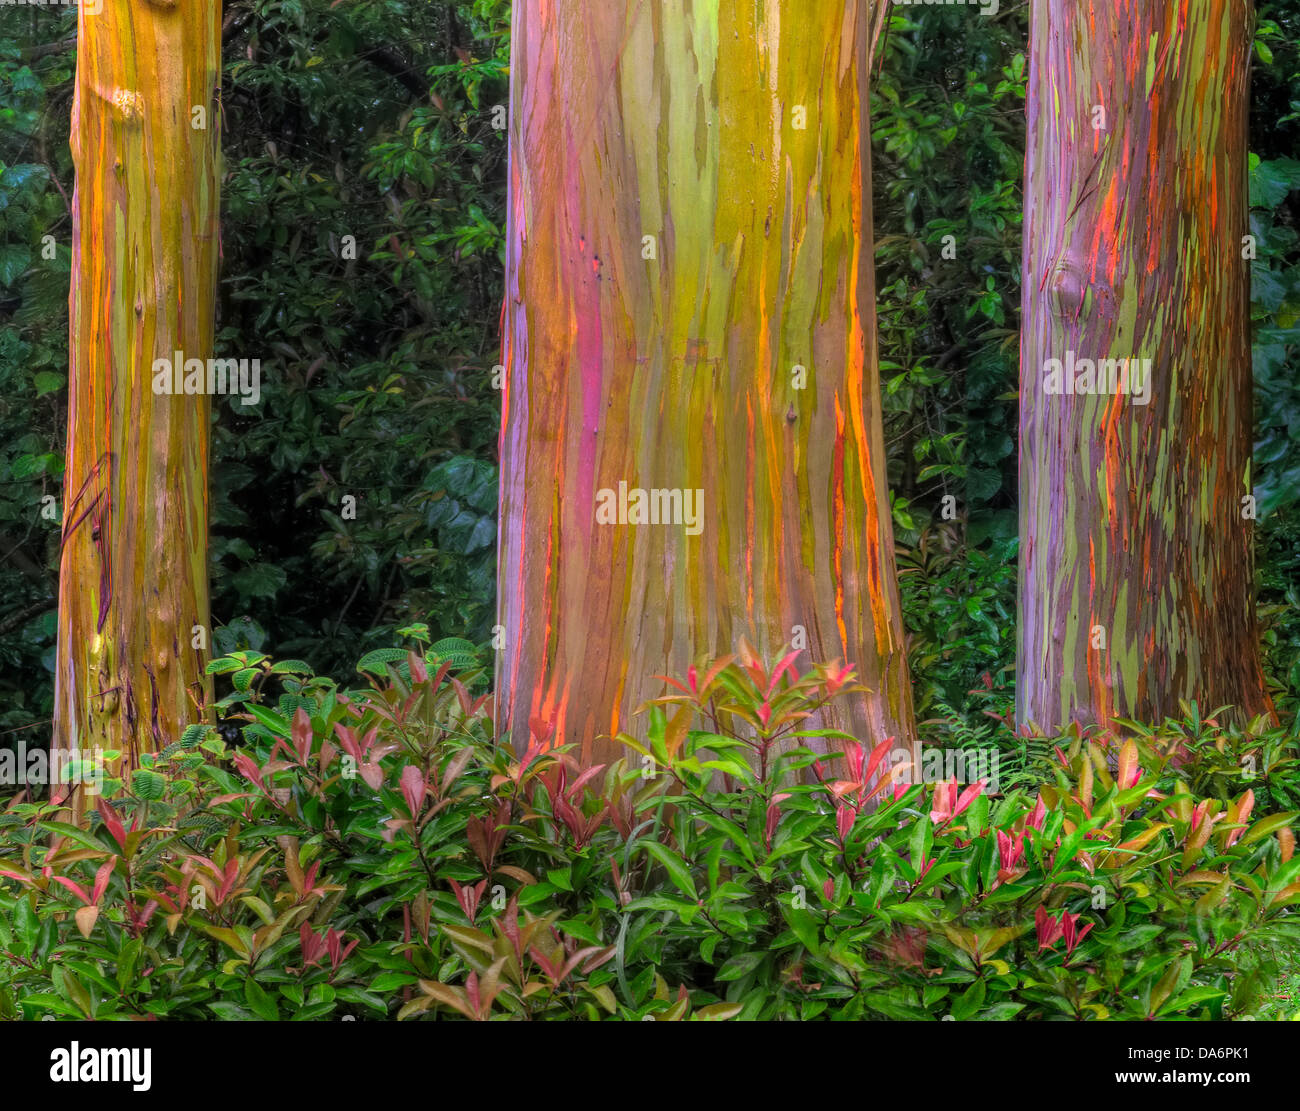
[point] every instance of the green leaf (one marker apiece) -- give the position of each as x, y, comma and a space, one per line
23, 176
231, 1012
77, 834
274, 722
1191, 999
1265, 826
920, 842
47, 381
459, 653
377, 662
363, 999
1134, 938
193, 735
717, 1012
262, 1004
14, 261
536, 893
676, 867
1070, 845
147, 786
33, 466
26, 927
126, 963
740, 966
1001, 1012
804, 927
1270, 182
388, 981
50, 1003
259, 580
970, 1001
687, 911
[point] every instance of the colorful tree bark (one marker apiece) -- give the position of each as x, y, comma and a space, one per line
1136, 586
133, 583
690, 309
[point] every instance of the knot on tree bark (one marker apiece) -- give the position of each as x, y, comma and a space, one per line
1068, 285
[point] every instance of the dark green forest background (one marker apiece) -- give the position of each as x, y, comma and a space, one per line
376, 120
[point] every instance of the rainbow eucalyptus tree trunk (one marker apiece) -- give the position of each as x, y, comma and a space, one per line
1136, 584
692, 449
133, 582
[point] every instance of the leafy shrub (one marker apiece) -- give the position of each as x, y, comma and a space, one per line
959, 605
371, 853
947, 108
1219, 759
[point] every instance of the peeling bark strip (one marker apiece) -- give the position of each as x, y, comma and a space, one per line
133, 577
691, 307
1136, 585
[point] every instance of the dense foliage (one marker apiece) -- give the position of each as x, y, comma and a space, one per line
381, 121
373, 854
374, 121
333, 851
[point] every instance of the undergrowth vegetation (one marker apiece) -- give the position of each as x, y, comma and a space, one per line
370, 852
363, 848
